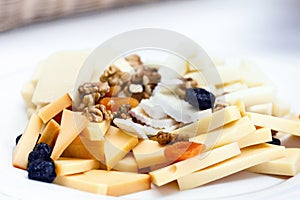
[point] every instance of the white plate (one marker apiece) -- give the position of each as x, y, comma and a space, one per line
15, 185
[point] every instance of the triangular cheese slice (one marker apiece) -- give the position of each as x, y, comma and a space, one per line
72, 124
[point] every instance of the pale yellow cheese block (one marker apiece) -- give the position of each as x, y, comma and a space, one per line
249, 157
206, 124
66, 166
116, 145
50, 133
104, 182
58, 76
231, 132
241, 106
27, 93
251, 96
149, 153
289, 165
49, 111
172, 172
72, 123
265, 109
127, 164
261, 135
275, 123
96, 131
27, 142
280, 108
77, 150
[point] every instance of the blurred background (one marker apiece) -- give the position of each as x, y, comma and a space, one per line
32, 29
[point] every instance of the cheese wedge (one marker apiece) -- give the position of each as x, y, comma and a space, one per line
50, 133
275, 123
259, 136
77, 150
72, 123
251, 96
148, 153
61, 69
96, 131
117, 144
127, 164
104, 182
249, 157
27, 142
49, 111
206, 124
95, 148
66, 166
172, 172
289, 165
229, 133
265, 109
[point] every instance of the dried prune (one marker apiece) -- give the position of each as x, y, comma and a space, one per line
42, 170
200, 98
41, 151
275, 141
18, 138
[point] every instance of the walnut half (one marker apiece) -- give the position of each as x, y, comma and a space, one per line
97, 113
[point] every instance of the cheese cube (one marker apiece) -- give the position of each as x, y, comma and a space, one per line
249, 157
148, 153
50, 133
229, 133
72, 123
104, 182
206, 124
259, 136
49, 111
289, 165
172, 172
127, 164
275, 123
117, 144
66, 166
27, 142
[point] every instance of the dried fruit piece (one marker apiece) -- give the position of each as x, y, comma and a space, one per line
42, 170
275, 141
41, 151
182, 150
200, 98
113, 103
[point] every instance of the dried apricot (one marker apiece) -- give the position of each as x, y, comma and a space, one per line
113, 103
182, 150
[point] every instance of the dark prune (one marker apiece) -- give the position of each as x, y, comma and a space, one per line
200, 98
275, 141
42, 170
18, 138
41, 151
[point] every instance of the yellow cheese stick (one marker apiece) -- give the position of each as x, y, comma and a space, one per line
289, 165
49, 111
231, 132
258, 136
206, 124
104, 182
27, 142
50, 133
172, 172
275, 123
72, 123
66, 166
249, 157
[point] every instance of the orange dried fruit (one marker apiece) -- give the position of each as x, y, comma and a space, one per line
113, 103
182, 150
